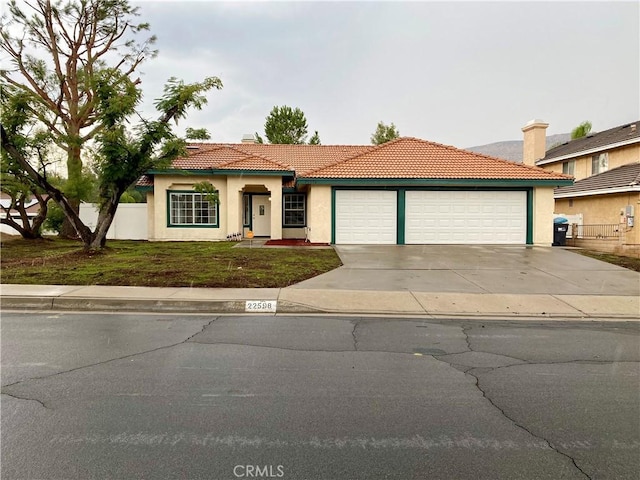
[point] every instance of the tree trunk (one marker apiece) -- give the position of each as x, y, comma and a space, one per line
26, 233
28, 229
41, 216
105, 219
53, 192
72, 190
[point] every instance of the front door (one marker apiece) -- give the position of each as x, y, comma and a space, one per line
261, 216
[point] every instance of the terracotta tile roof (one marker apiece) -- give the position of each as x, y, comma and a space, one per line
255, 163
145, 181
404, 157
408, 157
629, 132
300, 158
207, 157
626, 177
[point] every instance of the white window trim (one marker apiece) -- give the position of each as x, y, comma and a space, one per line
171, 223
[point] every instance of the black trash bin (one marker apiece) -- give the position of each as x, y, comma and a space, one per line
560, 228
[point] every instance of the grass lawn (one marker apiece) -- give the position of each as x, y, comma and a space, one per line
159, 264
627, 262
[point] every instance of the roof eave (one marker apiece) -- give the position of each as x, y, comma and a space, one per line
465, 182
582, 153
601, 191
214, 171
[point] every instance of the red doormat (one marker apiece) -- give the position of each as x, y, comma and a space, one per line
294, 242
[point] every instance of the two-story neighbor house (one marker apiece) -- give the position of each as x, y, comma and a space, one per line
606, 166
406, 191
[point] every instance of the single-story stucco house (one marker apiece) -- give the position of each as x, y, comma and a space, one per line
406, 191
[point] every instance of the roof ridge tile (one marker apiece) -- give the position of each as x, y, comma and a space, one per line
343, 160
249, 157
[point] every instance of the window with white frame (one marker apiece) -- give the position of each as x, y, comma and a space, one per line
599, 163
294, 210
569, 167
192, 209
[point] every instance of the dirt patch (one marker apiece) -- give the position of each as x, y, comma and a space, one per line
161, 264
631, 263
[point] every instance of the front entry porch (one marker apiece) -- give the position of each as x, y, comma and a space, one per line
258, 202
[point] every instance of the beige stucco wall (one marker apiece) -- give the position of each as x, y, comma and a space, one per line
319, 213
161, 231
543, 216
599, 209
297, 232
617, 158
151, 220
230, 214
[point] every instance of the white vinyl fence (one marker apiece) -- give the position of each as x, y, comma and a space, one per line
573, 219
130, 222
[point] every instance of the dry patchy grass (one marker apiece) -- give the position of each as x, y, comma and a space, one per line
159, 264
631, 263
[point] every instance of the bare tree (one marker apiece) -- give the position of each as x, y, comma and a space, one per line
86, 91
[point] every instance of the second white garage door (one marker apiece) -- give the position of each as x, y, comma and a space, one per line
466, 217
366, 217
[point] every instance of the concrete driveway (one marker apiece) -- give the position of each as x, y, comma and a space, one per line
474, 269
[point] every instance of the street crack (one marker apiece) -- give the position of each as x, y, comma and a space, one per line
204, 327
523, 427
469, 372
123, 357
353, 334
465, 332
40, 402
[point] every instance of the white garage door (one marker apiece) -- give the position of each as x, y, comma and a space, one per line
366, 217
459, 217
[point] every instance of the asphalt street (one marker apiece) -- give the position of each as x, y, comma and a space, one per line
156, 396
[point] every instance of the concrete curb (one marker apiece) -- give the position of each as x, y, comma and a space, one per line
400, 303
27, 303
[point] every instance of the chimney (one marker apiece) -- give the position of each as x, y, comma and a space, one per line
249, 138
535, 141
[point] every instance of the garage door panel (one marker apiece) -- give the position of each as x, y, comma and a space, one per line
366, 217
471, 217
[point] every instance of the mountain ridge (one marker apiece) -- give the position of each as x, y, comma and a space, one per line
512, 149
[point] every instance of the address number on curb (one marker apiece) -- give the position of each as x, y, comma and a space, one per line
261, 306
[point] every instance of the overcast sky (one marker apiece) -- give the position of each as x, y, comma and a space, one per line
462, 74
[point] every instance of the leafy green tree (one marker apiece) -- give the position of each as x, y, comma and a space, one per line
55, 218
286, 125
315, 139
79, 98
123, 156
207, 190
581, 130
197, 134
131, 196
384, 133
13, 182
87, 44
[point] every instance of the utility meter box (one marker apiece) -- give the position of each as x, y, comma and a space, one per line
628, 213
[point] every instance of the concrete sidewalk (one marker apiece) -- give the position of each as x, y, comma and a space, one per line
313, 301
